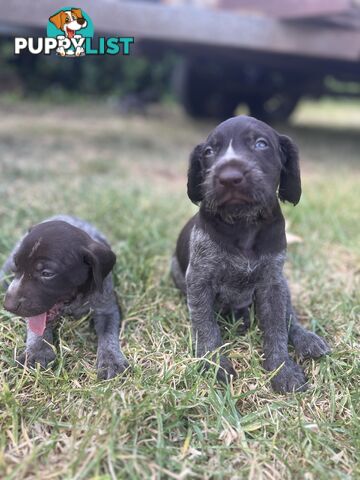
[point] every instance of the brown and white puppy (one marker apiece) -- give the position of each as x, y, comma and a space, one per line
70, 22
231, 254
63, 267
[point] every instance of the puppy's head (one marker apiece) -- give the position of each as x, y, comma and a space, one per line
242, 167
54, 263
69, 21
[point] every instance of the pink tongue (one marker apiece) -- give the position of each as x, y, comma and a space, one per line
37, 324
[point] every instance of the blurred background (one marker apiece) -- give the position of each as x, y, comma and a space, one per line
210, 56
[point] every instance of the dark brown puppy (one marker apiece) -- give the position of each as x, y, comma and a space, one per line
63, 267
231, 254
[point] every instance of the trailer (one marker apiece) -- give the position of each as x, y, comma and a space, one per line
267, 54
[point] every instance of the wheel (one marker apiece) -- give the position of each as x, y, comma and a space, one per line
197, 86
208, 89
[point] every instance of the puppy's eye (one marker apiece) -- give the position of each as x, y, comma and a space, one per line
208, 152
67, 20
47, 274
261, 144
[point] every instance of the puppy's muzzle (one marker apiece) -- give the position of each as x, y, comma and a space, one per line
229, 176
230, 183
12, 303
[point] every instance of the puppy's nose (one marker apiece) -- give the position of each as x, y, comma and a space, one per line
12, 304
81, 21
230, 177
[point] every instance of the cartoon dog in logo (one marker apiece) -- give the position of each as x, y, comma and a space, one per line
69, 21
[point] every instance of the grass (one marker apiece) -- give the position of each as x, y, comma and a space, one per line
163, 420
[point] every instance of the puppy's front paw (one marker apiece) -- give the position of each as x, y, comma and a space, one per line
310, 345
244, 315
226, 370
110, 364
43, 356
291, 378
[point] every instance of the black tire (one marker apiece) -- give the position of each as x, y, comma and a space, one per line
197, 87
213, 90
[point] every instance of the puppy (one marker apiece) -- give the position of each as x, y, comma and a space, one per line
63, 267
231, 254
70, 22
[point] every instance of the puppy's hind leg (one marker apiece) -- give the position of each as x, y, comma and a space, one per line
307, 344
178, 275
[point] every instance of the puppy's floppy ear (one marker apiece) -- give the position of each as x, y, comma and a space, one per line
290, 182
77, 12
195, 175
101, 260
58, 19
